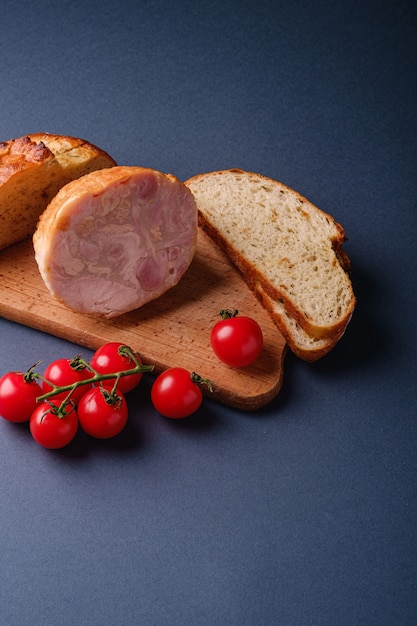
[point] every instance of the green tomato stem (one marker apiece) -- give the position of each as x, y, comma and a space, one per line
111, 397
196, 378
60, 411
31, 375
95, 378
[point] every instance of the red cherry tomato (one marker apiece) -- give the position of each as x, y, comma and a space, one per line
51, 430
175, 394
18, 394
236, 340
101, 414
63, 372
110, 359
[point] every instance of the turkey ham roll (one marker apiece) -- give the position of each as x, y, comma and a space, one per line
115, 239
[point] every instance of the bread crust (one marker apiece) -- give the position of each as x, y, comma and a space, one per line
16, 155
32, 170
302, 345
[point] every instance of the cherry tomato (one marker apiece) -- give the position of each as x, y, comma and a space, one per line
101, 414
175, 393
63, 372
51, 430
18, 394
110, 359
236, 340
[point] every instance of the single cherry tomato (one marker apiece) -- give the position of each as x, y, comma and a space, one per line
52, 428
114, 357
63, 372
18, 393
176, 393
102, 414
236, 340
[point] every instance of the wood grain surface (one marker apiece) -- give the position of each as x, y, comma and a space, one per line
171, 331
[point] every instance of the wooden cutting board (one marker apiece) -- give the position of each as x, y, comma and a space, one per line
171, 331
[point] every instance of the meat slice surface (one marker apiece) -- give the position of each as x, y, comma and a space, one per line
115, 239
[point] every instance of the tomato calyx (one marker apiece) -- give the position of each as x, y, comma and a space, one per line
61, 410
112, 398
128, 353
227, 314
78, 363
31, 375
199, 380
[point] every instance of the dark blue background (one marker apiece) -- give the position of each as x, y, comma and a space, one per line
305, 512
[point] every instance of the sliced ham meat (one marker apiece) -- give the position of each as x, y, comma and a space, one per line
115, 239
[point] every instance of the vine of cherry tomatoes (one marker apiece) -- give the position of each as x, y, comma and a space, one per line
74, 393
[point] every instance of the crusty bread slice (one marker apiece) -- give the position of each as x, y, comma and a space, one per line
304, 346
282, 242
32, 170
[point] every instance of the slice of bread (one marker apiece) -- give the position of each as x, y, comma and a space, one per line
32, 170
304, 346
282, 244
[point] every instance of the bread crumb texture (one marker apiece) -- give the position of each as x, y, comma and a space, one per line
281, 239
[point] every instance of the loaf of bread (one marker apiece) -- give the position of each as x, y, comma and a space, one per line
32, 170
116, 239
288, 251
